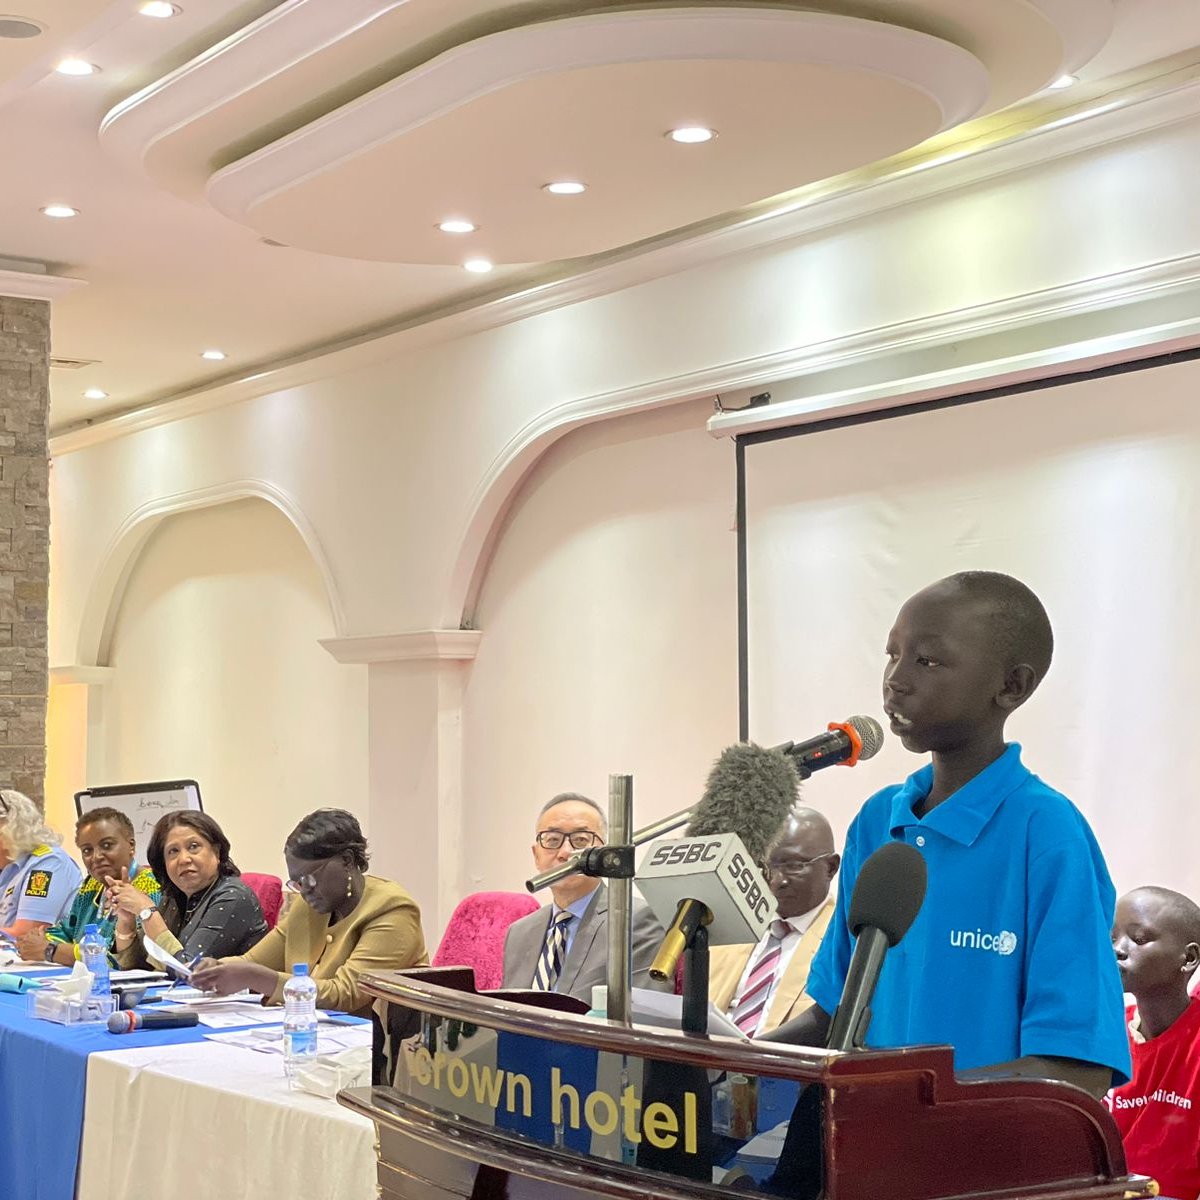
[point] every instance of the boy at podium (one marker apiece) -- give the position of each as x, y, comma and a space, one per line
1009, 959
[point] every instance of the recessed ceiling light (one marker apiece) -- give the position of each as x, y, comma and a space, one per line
1064, 81
19, 28
159, 8
566, 187
691, 135
456, 226
95, 394
60, 211
213, 355
480, 266
77, 66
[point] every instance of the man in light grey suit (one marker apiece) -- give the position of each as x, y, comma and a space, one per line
563, 947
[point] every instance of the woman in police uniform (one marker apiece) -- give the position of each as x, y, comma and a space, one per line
38, 879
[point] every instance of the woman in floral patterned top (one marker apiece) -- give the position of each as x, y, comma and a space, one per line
105, 840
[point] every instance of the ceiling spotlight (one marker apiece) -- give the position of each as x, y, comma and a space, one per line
566, 187
60, 211
1064, 81
95, 394
159, 8
18, 28
455, 226
213, 355
479, 266
691, 135
76, 66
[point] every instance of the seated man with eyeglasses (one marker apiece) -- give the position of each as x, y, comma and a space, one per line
563, 947
762, 985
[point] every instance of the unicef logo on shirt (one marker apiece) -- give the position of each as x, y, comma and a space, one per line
1002, 943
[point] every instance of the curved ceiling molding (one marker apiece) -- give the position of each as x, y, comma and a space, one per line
1084, 26
214, 81
477, 131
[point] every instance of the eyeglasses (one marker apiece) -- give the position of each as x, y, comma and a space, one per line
581, 839
791, 867
305, 883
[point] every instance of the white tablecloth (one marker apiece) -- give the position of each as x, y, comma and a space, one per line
203, 1121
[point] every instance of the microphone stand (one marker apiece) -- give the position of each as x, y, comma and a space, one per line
687, 938
695, 983
620, 899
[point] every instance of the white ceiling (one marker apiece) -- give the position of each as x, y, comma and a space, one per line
347, 129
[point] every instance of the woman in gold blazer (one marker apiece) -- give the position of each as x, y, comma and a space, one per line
341, 922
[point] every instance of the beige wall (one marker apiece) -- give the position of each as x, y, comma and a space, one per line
218, 676
610, 643
66, 753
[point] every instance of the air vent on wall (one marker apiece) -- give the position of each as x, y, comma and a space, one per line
72, 364
18, 27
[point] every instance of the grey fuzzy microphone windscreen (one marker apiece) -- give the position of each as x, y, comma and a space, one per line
750, 792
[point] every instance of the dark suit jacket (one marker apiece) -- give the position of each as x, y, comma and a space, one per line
587, 962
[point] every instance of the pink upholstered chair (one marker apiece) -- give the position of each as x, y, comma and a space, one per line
269, 890
474, 936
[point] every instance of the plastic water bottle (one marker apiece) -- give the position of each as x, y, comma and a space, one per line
93, 953
299, 1019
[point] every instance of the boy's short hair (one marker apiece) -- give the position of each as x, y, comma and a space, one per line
1182, 912
1020, 624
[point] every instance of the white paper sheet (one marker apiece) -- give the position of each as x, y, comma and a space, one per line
648, 1007
269, 1039
159, 955
238, 1015
194, 998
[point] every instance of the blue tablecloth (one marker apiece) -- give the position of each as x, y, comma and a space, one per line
43, 1074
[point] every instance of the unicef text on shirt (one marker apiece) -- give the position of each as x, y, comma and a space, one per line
1004, 942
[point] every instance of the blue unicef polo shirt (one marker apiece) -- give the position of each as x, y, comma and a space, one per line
1011, 953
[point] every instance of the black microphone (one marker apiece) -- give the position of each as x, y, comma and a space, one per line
845, 742
128, 1021
888, 894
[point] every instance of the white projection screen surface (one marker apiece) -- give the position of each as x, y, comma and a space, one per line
1090, 493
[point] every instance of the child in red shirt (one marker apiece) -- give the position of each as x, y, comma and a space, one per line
1156, 938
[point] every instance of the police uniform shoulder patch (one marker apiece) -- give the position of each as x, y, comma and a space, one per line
38, 884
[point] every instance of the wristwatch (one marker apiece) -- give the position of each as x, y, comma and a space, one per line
147, 913
50, 949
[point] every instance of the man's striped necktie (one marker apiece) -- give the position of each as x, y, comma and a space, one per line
549, 965
747, 1012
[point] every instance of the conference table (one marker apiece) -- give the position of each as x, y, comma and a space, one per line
88, 1113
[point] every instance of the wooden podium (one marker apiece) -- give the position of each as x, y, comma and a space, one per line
514, 1095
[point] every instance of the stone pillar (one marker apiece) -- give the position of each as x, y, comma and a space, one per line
24, 541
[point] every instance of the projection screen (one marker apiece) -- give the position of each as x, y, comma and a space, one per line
1090, 493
